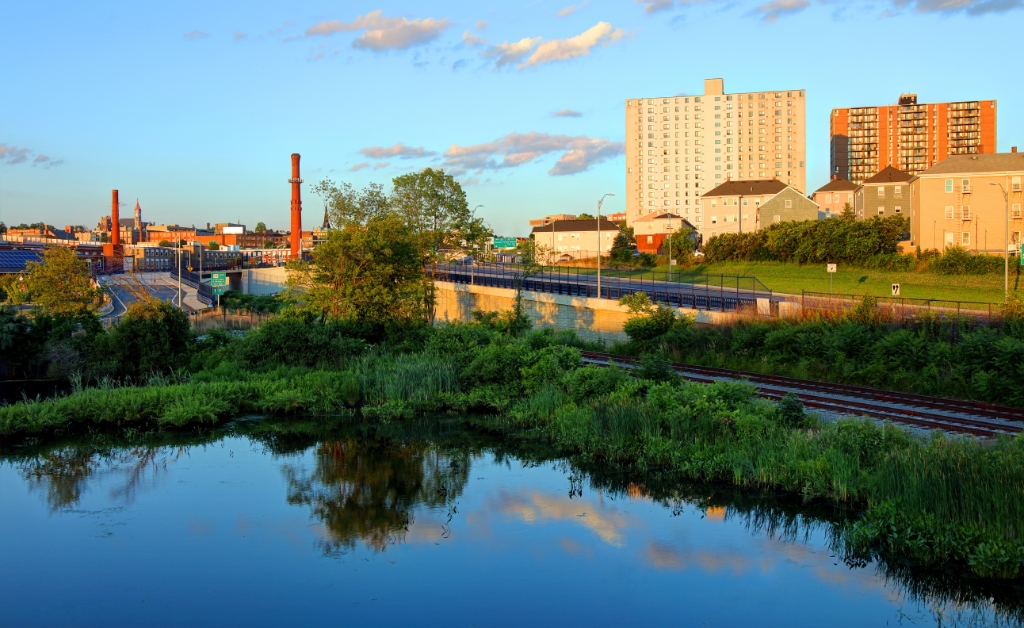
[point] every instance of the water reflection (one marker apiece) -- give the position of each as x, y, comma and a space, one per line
367, 489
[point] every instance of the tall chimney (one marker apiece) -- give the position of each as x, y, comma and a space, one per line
115, 219
1013, 149
296, 207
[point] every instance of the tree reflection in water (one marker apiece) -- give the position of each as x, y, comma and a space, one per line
367, 489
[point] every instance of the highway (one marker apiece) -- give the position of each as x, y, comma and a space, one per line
122, 297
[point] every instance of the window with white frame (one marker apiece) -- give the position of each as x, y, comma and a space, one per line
881, 211
950, 211
881, 190
965, 238
949, 186
897, 190
1015, 184
965, 186
789, 204
967, 212
1015, 237
898, 209
1015, 211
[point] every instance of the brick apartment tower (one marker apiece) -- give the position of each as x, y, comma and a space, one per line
296, 235
908, 136
679, 147
115, 219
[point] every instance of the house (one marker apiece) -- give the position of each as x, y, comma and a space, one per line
885, 194
762, 201
575, 239
967, 200
834, 196
651, 230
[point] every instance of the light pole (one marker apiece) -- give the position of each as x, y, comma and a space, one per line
1006, 244
599, 203
669, 229
180, 304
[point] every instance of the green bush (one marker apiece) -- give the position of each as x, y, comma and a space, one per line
958, 261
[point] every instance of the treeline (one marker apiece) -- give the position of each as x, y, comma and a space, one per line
843, 239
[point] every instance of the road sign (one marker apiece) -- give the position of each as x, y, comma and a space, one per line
219, 290
895, 289
504, 243
218, 279
189, 268
831, 268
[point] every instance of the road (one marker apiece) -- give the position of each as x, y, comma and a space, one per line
122, 297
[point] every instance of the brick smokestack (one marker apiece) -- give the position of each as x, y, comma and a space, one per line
115, 219
296, 207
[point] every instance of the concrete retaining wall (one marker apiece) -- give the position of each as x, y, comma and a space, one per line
264, 280
591, 318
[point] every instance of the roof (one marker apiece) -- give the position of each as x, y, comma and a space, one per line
996, 162
658, 215
838, 185
757, 187
889, 175
15, 261
576, 225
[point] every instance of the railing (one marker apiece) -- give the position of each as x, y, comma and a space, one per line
194, 280
902, 308
724, 293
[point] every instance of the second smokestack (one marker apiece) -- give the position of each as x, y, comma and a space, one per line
115, 220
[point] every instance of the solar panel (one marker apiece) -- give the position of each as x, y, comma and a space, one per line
18, 259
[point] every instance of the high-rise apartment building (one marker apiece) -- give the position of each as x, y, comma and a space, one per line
678, 147
908, 136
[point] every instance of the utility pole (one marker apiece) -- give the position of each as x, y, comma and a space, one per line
181, 306
599, 242
1006, 244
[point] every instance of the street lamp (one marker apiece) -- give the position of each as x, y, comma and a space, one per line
1006, 244
669, 229
599, 203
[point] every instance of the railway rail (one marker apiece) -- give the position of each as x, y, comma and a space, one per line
920, 411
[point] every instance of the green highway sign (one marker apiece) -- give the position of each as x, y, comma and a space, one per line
504, 243
218, 279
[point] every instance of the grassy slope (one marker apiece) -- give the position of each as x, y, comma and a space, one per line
792, 279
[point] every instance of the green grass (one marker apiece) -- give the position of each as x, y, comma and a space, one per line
793, 278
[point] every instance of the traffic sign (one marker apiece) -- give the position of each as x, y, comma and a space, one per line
504, 243
218, 279
219, 290
895, 289
831, 268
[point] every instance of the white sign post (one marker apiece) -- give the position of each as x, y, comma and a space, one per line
831, 272
895, 289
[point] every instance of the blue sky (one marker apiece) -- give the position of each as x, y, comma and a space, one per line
194, 108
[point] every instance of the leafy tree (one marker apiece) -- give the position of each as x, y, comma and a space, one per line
60, 284
105, 238
212, 245
261, 227
153, 337
326, 190
586, 216
364, 272
682, 243
3, 227
622, 250
182, 242
19, 347
269, 244
165, 243
347, 205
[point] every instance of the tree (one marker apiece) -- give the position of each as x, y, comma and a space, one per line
3, 227
60, 284
212, 245
269, 244
364, 272
682, 243
326, 190
586, 216
105, 238
261, 227
165, 244
153, 337
622, 250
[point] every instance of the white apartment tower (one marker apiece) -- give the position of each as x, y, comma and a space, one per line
679, 147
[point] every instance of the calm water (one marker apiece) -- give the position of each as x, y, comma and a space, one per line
260, 528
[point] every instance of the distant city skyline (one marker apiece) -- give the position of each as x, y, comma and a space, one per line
194, 109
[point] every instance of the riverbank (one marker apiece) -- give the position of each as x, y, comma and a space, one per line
932, 501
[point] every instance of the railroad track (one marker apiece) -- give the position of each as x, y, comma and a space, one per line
949, 415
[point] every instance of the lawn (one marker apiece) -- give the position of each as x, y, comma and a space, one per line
792, 279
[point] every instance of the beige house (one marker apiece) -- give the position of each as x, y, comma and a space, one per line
967, 200
834, 196
885, 194
575, 239
738, 206
651, 230
679, 147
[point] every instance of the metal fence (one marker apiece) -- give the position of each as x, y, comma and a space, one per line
194, 280
724, 293
902, 308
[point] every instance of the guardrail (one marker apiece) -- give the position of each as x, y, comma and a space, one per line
902, 308
724, 293
203, 290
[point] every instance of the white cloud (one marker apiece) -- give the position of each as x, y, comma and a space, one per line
470, 39
567, 113
196, 35
398, 150
572, 8
507, 53
384, 33
971, 7
239, 35
359, 166
383, 164
771, 11
578, 153
12, 155
481, 26
601, 34
653, 6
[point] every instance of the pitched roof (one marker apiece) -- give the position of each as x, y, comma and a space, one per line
997, 162
576, 225
657, 215
838, 185
759, 187
889, 175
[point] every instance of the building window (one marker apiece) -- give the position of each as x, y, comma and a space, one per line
949, 186
1015, 184
949, 211
1015, 237
897, 190
965, 186
881, 211
650, 239
776, 218
828, 198
898, 209
1015, 211
789, 204
881, 190
965, 238
967, 212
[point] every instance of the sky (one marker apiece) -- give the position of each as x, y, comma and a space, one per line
194, 107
